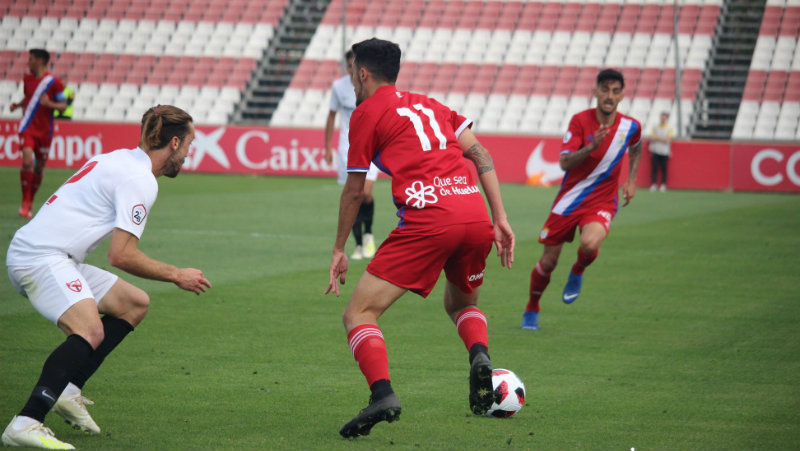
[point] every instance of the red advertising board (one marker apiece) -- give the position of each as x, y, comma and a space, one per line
703, 165
766, 167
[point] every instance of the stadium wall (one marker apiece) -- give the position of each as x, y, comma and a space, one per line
704, 165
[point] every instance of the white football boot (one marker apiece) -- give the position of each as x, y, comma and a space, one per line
369, 246
358, 253
72, 408
24, 431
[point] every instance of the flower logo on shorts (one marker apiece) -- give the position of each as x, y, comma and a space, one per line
75, 285
421, 195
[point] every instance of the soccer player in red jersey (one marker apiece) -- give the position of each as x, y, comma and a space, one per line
591, 154
426, 148
43, 94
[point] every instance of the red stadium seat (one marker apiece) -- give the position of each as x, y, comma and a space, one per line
198, 78
646, 89
218, 80
441, 85
790, 22
136, 79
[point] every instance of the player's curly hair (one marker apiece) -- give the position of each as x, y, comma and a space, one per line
161, 123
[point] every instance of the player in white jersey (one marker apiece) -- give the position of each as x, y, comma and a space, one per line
343, 100
111, 195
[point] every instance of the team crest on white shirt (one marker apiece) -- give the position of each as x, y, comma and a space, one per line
138, 214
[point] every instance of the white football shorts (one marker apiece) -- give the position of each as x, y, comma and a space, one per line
341, 169
56, 284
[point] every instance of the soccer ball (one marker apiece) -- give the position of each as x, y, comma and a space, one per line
509, 394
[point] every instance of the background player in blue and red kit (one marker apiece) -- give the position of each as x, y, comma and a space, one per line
588, 198
426, 148
43, 94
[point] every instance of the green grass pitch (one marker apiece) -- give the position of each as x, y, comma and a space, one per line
687, 334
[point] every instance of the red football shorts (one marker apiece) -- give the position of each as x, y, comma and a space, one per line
38, 142
414, 258
559, 228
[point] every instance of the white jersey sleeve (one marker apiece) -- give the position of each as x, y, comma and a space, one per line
132, 202
335, 104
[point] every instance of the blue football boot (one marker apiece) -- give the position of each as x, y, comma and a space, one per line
530, 320
573, 288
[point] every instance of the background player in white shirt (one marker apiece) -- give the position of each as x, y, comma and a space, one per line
111, 195
343, 100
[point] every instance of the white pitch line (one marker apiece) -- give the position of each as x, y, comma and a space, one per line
235, 233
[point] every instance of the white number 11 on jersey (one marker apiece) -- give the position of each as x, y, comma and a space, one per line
418, 127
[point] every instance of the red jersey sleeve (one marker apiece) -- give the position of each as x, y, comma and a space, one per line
363, 141
573, 139
637, 136
56, 90
460, 123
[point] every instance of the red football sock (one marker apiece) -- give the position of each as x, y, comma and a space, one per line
26, 181
369, 349
35, 183
539, 281
471, 325
584, 260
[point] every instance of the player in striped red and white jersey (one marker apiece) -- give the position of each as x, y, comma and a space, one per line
592, 153
44, 93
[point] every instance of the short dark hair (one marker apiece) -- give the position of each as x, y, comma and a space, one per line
381, 58
610, 75
348, 55
42, 54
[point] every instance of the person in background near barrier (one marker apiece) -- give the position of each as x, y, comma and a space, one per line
427, 149
69, 98
591, 154
660, 138
343, 101
110, 195
43, 94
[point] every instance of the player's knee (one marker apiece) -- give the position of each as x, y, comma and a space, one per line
348, 318
591, 246
94, 334
134, 306
548, 264
140, 305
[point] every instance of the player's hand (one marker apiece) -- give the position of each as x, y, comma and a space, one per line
13, 106
599, 135
191, 279
504, 240
337, 271
328, 155
45, 101
628, 191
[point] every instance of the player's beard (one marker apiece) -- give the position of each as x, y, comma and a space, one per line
173, 167
610, 105
359, 89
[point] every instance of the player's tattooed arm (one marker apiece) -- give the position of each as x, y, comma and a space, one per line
635, 155
480, 157
569, 160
